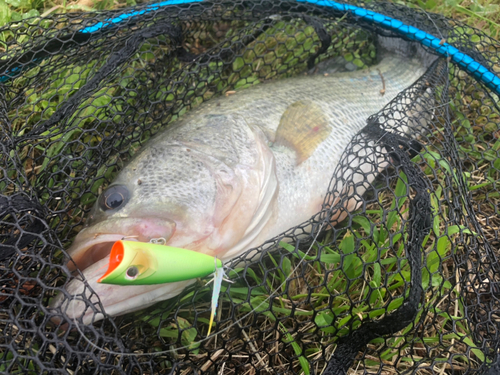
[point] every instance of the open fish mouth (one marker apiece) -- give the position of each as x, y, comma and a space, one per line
91, 257
92, 251
94, 243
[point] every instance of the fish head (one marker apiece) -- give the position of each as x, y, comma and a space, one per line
140, 205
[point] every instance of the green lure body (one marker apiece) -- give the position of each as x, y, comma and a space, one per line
143, 263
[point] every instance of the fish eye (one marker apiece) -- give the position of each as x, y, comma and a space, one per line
113, 197
132, 272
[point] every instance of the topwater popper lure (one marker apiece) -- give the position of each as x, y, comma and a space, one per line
143, 263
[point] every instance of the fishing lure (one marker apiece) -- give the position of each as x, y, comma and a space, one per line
143, 263
147, 263
217, 280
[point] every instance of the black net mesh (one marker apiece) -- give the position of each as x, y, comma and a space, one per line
397, 271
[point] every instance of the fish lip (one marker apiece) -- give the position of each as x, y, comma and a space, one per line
79, 253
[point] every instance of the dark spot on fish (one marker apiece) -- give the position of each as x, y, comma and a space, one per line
139, 181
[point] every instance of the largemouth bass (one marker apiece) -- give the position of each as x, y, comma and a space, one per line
231, 174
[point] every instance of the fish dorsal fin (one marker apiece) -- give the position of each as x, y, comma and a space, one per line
303, 127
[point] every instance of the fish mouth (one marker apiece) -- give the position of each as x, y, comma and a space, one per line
90, 254
90, 257
94, 243
92, 251
79, 303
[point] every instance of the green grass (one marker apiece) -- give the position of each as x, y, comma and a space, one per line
482, 14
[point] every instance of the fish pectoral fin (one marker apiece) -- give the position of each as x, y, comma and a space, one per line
303, 127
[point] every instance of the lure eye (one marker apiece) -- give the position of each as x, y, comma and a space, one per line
113, 198
132, 272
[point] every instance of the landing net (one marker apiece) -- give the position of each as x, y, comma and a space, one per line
406, 283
